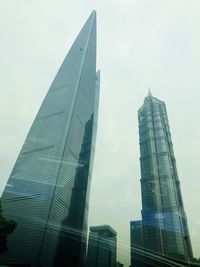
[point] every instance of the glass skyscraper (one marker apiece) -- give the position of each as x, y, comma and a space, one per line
164, 221
47, 193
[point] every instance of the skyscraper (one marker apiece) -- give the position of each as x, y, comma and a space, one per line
47, 193
164, 221
102, 246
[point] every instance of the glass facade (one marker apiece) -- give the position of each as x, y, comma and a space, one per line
47, 193
164, 222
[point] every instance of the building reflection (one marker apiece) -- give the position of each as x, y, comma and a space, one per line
71, 248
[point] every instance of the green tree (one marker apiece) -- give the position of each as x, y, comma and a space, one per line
6, 228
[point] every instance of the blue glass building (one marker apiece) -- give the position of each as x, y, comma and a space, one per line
164, 221
47, 193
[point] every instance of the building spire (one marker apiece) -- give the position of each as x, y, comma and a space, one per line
149, 92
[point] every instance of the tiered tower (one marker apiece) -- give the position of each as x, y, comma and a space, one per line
164, 222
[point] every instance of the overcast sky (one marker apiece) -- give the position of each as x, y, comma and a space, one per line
141, 43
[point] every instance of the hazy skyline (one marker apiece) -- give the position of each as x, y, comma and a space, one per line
140, 43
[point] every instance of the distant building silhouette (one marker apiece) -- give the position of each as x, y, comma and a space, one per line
136, 231
163, 228
119, 264
47, 193
102, 247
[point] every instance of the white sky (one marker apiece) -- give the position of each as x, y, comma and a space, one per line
141, 43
